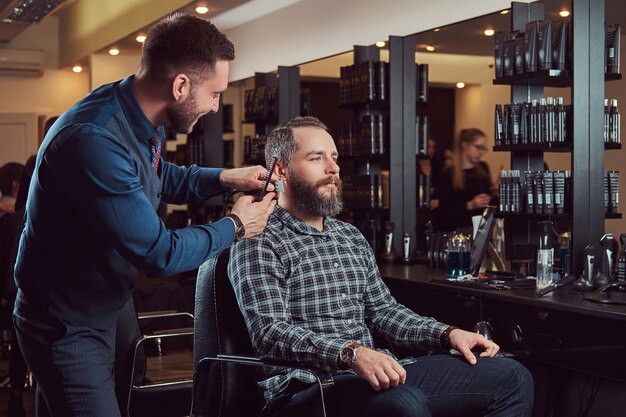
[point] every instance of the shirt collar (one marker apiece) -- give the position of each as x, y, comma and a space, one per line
296, 224
142, 128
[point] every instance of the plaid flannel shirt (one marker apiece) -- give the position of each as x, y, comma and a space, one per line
304, 294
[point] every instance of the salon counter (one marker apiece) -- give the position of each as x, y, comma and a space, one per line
562, 299
559, 329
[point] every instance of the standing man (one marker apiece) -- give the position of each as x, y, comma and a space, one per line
91, 217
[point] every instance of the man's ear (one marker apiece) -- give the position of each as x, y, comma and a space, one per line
280, 170
181, 87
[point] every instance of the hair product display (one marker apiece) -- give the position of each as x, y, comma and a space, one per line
364, 82
365, 138
547, 45
543, 121
538, 192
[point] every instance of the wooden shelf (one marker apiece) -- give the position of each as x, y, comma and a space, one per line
529, 216
546, 78
544, 146
368, 105
548, 147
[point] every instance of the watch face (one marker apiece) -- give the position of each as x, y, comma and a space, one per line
348, 355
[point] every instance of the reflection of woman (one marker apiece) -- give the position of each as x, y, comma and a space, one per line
464, 186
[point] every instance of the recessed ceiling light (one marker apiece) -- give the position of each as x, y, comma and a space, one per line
114, 51
430, 48
77, 68
460, 84
505, 11
141, 38
380, 44
489, 32
202, 10
436, 30
564, 13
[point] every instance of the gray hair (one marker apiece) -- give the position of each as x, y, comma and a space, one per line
281, 142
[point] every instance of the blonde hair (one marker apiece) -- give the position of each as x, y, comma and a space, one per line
467, 137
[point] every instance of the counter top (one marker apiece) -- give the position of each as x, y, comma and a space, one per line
562, 299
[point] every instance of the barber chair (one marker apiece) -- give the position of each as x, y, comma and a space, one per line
152, 384
225, 383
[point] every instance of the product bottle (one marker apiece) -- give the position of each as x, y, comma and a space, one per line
561, 128
541, 119
534, 122
607, 121
620, 265
614, 136
550, 119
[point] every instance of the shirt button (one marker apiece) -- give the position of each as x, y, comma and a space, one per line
158, 195
336, 265
343, 295
350, 321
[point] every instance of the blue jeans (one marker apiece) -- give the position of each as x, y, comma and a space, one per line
437, 385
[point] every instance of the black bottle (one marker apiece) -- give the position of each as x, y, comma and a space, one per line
607, 121
614, 123
561, 121
620, 264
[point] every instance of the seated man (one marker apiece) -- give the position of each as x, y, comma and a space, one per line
310, 291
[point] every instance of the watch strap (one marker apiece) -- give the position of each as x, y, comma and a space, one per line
444, 339
239, 229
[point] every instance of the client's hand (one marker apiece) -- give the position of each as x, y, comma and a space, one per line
380, 370
465, 342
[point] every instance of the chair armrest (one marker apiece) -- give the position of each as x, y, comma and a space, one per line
164, 313
324, 379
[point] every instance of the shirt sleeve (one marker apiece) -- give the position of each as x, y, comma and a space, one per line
259, 280
96, 174
188, 185
391, 320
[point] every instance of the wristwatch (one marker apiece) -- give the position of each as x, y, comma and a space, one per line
444, 339
240, 231
347, 356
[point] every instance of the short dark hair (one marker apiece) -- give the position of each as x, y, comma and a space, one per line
182, 43
9, 173
281, 143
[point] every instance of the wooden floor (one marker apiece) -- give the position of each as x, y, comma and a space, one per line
174, 366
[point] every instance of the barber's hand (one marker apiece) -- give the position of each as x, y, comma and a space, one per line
254, 215
480, 201
245, 179
380, 370
466, 342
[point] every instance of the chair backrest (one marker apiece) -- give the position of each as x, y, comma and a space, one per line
221, 389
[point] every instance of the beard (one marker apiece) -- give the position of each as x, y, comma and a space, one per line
183, 115
309, 199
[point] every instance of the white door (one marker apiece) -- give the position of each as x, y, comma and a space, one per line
18, 137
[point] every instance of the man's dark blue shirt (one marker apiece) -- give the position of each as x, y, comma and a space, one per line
91, 217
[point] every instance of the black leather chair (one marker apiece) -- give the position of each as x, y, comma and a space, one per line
151, 385
222, 386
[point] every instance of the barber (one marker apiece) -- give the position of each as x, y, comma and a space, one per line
91, 219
